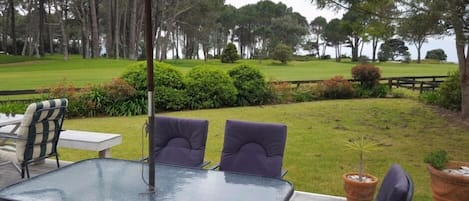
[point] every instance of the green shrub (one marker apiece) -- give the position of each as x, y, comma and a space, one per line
368, 75
65, 89
336, 87
13, 107
403, 93
378, 91
169, 88
436, 54
164, 75
136, 105
229, 54
210, 87
450, 92
304, 94
136, 75
430, 97
437, 159
282, 53
281, 92
251, 85
448, 95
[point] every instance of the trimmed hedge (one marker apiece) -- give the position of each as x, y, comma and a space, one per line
210, 87
251, 85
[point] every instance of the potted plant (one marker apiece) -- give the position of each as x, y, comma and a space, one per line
360, 186
449, 179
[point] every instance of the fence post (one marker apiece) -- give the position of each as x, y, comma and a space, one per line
413, 84
390, 83
421, 87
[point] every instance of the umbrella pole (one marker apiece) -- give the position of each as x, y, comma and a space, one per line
150, 87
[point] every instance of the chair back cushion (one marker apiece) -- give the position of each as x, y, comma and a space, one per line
253, 148
395, 186
41, 129
180, 141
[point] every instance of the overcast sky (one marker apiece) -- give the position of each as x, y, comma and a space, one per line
308, 10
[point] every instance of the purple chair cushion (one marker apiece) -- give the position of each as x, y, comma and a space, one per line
253, 148
395, 186
180, 141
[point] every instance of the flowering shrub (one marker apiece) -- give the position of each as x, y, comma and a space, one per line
336, 87
367, 74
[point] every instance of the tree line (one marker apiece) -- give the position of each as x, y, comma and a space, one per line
182, 28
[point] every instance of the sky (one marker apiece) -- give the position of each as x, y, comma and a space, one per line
309, 10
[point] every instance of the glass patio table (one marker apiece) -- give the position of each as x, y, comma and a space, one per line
111, 179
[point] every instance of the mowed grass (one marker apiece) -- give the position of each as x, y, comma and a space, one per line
53, 69
43, 73
315, 154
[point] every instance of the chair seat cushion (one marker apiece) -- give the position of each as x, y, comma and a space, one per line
8, 152
180, 156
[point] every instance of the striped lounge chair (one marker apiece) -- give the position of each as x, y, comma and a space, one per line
37, 135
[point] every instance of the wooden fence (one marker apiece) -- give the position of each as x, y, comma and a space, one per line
416, 82
421, 83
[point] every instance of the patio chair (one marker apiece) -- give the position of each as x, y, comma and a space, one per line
396, 186
180, 141
254, 148
37, 135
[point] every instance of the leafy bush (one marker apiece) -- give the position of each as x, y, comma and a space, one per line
251, 85
13, 107
430, 97
450, 92
336, 87
304, 94
363, 59
403, 93
282, 53
325, 57
436, 54
229, 54
210, 87
368, 75
164, 75
437, 159
127, 107
281, 92
448, 95
64, 89
378, 91
169, 88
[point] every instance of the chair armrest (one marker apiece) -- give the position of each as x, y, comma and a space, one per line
9, 136
284, 172
214, 167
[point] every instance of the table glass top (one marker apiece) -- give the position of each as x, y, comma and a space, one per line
109, 179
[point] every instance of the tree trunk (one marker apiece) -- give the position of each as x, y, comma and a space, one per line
117, 29
375, 46
12, 26
462, 49
94, 30
109, 34
49, 30
41, 40
419, 47
62, 19
132, 29
355, 45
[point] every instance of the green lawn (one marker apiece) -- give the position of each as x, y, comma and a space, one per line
315, 154
44, 72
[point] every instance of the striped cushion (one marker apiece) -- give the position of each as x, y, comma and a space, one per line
8, 151
40, 128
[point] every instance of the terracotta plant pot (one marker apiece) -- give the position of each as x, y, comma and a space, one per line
447, 187
359, 191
